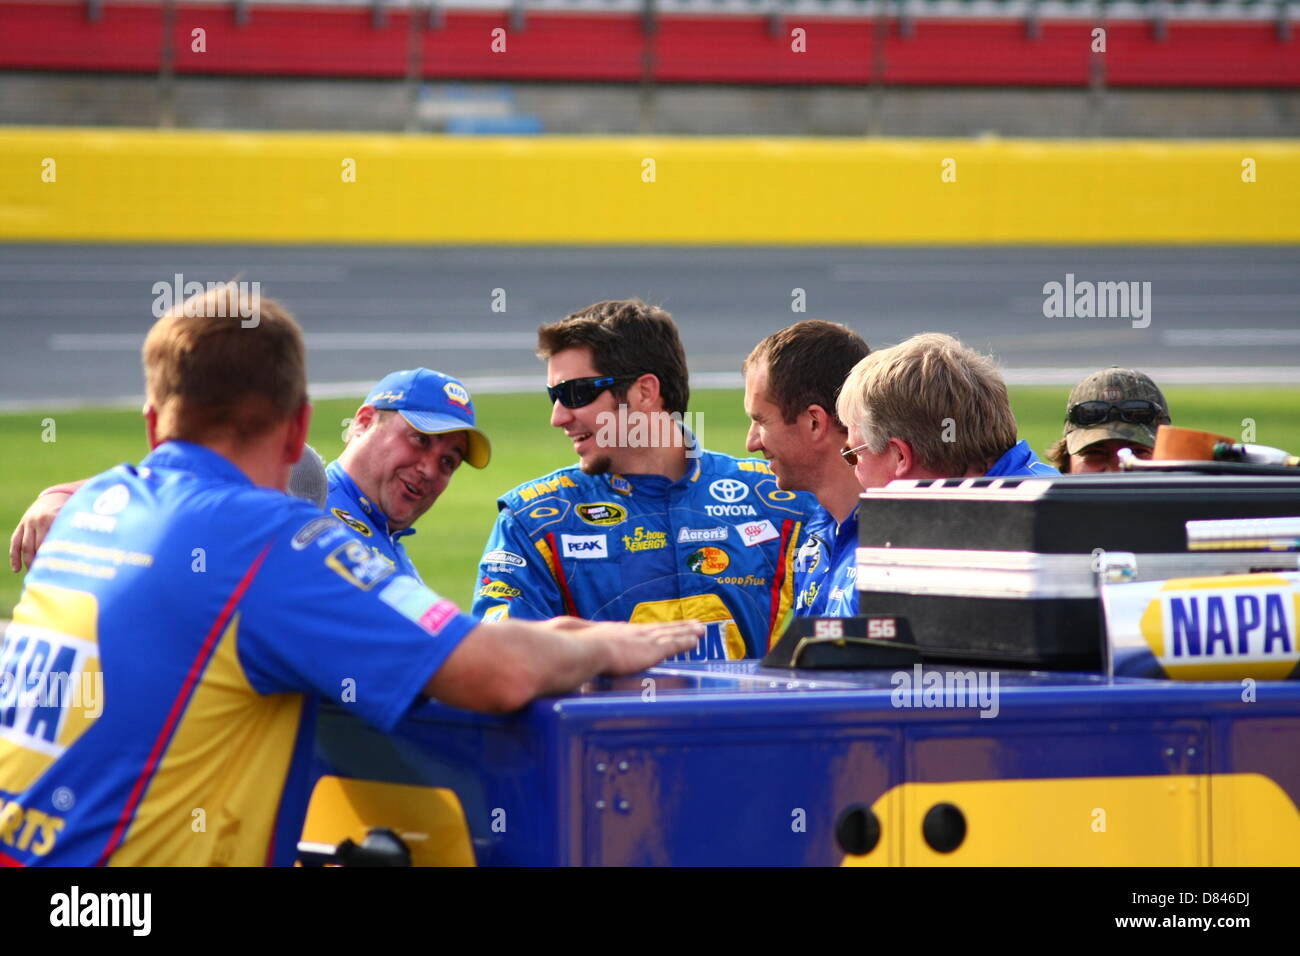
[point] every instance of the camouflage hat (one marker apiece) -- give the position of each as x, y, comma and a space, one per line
1114, 385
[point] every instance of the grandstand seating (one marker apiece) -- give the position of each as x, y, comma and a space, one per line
1153, 43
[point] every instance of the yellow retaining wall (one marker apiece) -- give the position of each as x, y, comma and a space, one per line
142, 185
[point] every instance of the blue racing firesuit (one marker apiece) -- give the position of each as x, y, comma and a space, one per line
717, 545
826, 567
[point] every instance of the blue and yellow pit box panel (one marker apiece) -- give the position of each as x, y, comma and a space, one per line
730, 764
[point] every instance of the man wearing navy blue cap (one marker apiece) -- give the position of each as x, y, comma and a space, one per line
406, 440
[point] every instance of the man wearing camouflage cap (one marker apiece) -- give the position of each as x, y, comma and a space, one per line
1109, 410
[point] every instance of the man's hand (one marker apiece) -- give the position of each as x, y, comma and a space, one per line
32, 529
634, 647
500, 667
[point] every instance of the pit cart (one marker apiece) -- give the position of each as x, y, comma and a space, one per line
1079, 671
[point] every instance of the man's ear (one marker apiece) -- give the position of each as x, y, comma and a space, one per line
903, 457
296, 435
822, 424
151, 425
366, 416
646, 392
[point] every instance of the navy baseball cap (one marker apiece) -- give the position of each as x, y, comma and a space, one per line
435, 404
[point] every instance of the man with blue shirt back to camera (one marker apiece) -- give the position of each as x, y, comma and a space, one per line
183, 616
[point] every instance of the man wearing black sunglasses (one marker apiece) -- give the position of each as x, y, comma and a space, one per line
647, 526
1112, 409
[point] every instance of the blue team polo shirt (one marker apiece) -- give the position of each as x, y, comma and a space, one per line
358, 512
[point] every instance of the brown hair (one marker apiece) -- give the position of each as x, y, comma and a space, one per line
210, 377
1058, 456
626, 337
947, 401
807, 364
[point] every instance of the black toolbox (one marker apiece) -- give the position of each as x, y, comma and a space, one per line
1003, 571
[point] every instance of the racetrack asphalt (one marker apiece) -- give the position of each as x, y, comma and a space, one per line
72, 317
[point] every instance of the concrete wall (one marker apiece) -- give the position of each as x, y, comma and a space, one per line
380, 105
141, 185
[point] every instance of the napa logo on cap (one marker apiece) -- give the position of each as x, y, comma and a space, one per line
1218, 628
457, 394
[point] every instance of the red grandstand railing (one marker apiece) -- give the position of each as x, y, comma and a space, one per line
352, 41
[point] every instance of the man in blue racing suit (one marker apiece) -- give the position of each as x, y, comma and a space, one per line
648, 526
792, 379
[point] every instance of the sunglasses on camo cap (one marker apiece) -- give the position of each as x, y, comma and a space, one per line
1135, 411
577, 392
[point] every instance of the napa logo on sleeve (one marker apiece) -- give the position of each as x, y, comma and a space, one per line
1205, 628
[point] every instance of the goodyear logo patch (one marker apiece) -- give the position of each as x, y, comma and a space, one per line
356, 524
499, 590
708, 561
358, 565
601, 513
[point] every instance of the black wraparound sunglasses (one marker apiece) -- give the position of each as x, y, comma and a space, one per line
1136, 411
577, 392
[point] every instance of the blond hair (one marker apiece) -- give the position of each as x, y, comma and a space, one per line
212, 375
948, 402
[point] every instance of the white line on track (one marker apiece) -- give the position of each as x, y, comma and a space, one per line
523, 384
325, 341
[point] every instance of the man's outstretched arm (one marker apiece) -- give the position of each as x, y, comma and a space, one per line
501, 667
35, 523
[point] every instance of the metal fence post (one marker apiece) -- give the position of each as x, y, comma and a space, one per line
167, 67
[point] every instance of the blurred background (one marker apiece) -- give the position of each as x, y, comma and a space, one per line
425, 183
